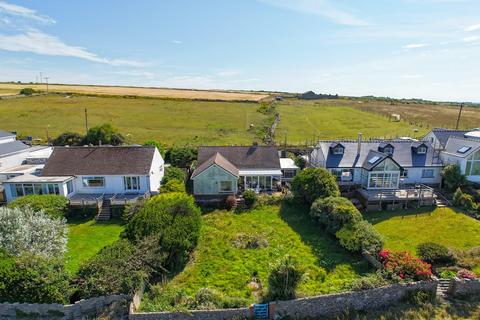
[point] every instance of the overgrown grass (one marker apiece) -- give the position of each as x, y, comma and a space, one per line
404, 230
86, 238
302, 120
221, 265
168, 121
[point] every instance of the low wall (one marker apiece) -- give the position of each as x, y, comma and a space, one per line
109, 307
313, 307
461, 287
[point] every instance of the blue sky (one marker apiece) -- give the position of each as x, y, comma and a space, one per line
403, 48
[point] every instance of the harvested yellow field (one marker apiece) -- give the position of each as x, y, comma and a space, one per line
142, 91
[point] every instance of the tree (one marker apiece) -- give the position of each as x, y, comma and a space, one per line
32, 279
452, 177
181, 157
27, 91
69, 139
155, 143
434, 253
284, 279
458, 198
173, 185
300, 162
313, 183
175, 218
106, 134
174, 173
250, 198
53, 205
334, 212
360, 236
22, 230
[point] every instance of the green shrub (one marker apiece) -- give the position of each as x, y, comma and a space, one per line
69, 139
34, 279
458, 198
174, 173
300, 162
158, 145
270, 199
371, 281
250, 198
420, 297
173, 185
360, 236
334, 212
120, 268
27, 91
452, 177
284, 279
230, 202
55, 206
181, 157
434, 253
106, 134
132, 208
175, 218
448, 274
313, 183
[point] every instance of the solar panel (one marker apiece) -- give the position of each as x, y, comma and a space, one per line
374, 159
464, 149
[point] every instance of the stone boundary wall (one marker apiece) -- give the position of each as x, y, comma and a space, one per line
319, 306
109, 307
461, 287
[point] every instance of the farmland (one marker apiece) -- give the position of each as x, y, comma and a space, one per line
142, 91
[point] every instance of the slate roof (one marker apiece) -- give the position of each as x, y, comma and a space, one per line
403, 154
254, 157
443, 134
72, 161
455, 143
6, 134
220, 161
371, 154
12, 147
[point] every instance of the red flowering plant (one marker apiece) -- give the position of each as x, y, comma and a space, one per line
466, 274
404, 265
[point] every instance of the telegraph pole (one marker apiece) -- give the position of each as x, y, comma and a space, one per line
41, 76
459, 116
86, 121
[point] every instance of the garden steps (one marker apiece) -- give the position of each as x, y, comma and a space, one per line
240, 202
442, 290
104, 213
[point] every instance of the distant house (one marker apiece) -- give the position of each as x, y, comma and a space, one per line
383, 169
438, 137
289, 169
224, 171
90, 175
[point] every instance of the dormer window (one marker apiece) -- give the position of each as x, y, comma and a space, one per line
388, 150
422, 150
338, 150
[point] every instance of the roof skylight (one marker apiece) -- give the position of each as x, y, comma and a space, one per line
374, 159
464, 149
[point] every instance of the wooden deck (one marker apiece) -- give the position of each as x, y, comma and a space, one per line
422, 193
96, 199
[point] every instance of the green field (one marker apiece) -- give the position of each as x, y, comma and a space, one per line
86, 238
221, 265
192, 122
169, 121
405, 230
301, 120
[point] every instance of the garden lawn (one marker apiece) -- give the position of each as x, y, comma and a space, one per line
86, 238
404, 230
218, 264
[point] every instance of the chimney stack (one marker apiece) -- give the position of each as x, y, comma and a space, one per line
359, 143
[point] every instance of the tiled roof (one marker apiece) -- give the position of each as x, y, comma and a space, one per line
70, 161
6, 134
454, 144
254, 157
443, 134
220, 161
12, 147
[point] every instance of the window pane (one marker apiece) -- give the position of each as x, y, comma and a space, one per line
69, 186
226, 186
475, 168
93, 182
28, 189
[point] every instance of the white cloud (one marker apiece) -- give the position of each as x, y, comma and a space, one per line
471, 39
19, 11
471, 28
40, 43
322, 8
414, 46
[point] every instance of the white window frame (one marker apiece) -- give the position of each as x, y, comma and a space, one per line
422, 150
131, 179
220, 190
388, 150
86, 185
425, 176
338, 150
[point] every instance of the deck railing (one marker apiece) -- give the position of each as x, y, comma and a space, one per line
418, 192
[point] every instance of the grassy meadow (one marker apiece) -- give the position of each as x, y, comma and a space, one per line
301, 120
86, 238
169, 121
219, 263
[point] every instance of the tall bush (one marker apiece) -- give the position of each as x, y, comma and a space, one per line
33, 279
106, 134
284, 278
174, 173
313, 183
434, 253
360, 236
173, 185
22, 230
69, 139
56, 206
334, 212
452, 177
175, 218
250, 198
181, 157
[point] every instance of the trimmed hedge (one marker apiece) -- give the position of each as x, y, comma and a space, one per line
55, 206
434, 253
